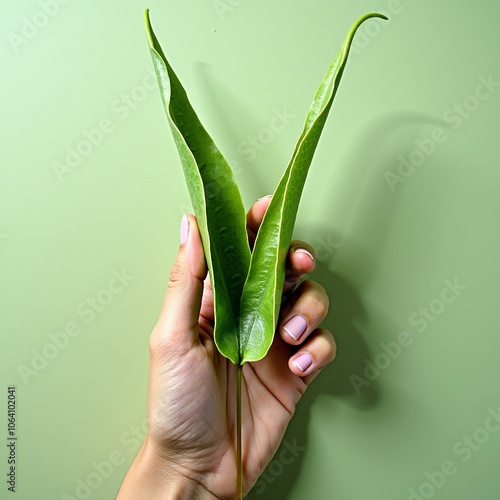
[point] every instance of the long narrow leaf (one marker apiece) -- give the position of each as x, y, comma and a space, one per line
216, 201
261, 298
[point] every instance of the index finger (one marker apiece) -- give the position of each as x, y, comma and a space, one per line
255, 216
300, 259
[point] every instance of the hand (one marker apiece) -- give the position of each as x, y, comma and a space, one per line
190, 449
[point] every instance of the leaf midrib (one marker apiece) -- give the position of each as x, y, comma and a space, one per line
214, 251
280, 226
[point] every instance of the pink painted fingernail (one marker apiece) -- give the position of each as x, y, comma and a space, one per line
303, 362
184, 229
295, 327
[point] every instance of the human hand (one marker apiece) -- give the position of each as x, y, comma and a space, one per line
190, 449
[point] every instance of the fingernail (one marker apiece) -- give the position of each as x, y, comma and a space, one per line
184, 229
303, 250
303, 362
295, 327
267, 196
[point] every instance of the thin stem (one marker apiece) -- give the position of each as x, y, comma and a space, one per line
239, 465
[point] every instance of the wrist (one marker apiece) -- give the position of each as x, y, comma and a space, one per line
150, 477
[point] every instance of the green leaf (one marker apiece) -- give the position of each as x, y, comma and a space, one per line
261, 298
216, 201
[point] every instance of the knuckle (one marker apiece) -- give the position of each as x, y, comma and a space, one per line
156, 345
162, 348
313, 287
320, 304
314, 299
322, 297
327, 346
157, 340
320, 289
333, 352
177, 272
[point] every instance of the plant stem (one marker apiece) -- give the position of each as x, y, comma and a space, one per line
239, 464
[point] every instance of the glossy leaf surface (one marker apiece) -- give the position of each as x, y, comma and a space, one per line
261, 298
216, 201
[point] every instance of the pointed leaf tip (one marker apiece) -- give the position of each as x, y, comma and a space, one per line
261, 299
215, 198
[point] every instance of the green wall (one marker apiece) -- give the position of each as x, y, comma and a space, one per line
401, 204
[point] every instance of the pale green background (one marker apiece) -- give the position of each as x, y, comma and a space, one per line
382, 254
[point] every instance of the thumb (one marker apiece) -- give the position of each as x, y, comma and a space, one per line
178, 321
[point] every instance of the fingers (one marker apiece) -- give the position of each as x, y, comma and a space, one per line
178, 319
300, 261
319, 350
207, 302
301, 256
306, 310
255, 216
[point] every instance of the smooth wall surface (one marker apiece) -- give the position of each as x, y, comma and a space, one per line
401, 205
